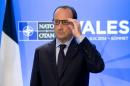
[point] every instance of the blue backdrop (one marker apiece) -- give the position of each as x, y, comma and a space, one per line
105, 22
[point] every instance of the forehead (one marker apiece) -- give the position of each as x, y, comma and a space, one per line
63, 13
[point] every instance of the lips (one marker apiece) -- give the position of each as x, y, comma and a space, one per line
60, 32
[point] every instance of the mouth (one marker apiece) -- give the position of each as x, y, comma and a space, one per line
61, 33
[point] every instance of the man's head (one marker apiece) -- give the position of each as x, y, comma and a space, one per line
62, 26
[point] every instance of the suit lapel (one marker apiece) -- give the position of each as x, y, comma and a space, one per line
52, 57
72, 50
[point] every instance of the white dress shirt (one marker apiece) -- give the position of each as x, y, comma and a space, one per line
79, 40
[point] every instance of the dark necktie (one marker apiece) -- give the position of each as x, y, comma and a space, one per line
61, 57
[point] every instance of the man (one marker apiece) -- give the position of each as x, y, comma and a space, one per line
68, 59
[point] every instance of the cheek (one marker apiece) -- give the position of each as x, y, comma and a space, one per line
68, 31
70, 26
55, 29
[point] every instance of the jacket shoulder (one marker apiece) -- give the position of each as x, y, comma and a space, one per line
45, 46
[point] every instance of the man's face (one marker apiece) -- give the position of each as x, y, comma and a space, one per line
62, 26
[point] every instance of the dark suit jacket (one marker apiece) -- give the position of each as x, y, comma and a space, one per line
80, 60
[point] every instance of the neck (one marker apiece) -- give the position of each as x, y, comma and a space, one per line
64, 40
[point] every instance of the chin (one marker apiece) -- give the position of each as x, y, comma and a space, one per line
61, 38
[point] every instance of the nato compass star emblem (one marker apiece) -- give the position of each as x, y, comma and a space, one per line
28, 31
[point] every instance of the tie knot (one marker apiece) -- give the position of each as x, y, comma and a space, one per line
62, 46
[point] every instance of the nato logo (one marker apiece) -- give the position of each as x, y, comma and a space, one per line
35, 31
27, 30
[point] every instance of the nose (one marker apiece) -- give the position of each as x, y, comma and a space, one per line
60, 26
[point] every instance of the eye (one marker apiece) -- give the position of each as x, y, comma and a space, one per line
65, 22
56, 22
